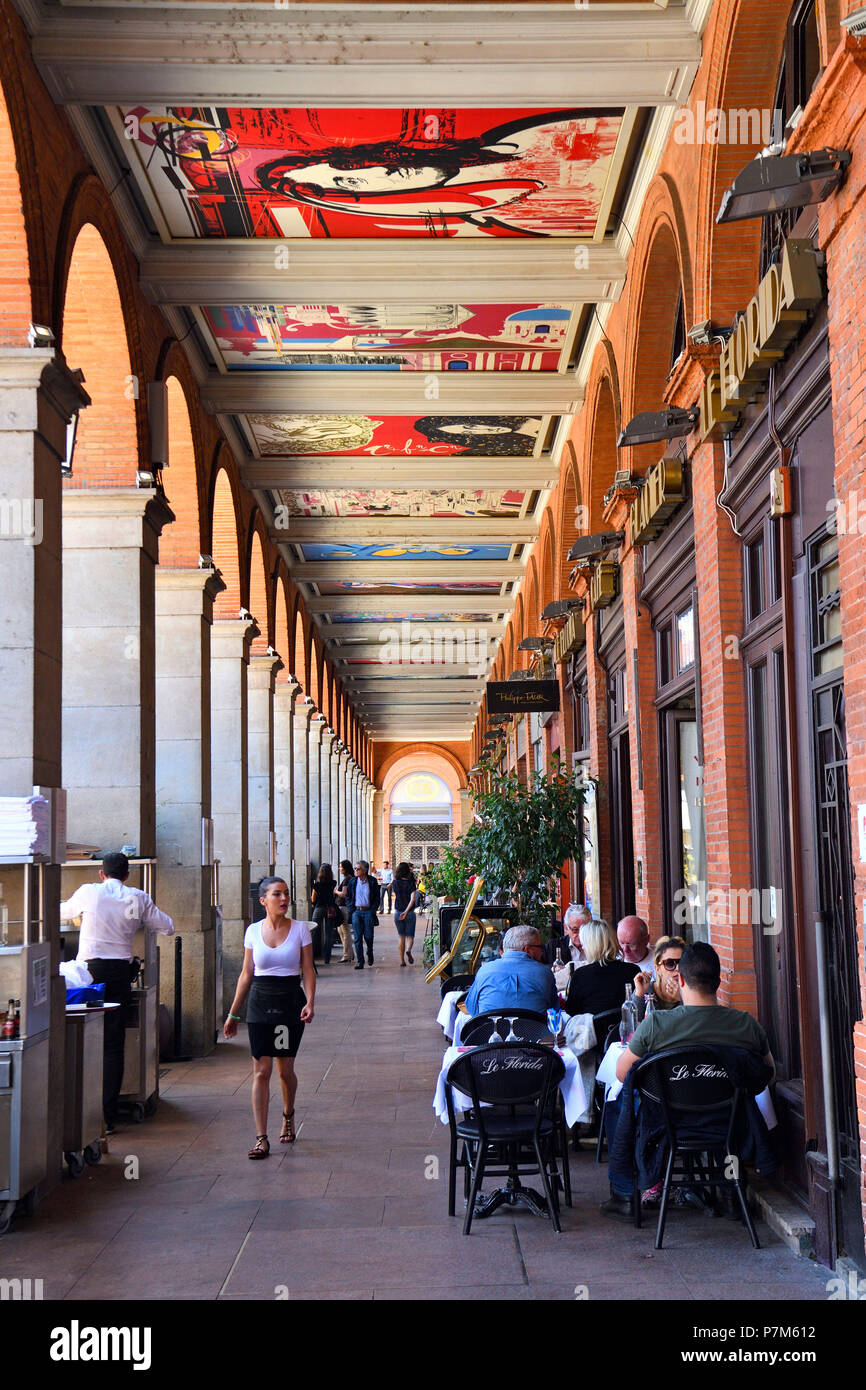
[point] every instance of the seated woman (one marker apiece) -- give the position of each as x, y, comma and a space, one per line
662, 987
600, 984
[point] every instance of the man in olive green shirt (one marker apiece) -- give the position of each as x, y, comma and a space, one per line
699, 1019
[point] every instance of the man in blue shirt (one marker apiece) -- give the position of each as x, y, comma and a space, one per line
518, 980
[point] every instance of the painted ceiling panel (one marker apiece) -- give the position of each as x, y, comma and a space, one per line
473, 337
412, 502
289, 173
324, 551
501, 436
376, 619
373, 587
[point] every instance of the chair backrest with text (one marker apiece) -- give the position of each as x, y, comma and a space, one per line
509, 1075
692, 1085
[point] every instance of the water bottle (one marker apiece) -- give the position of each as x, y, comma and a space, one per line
627, 1017
558, 963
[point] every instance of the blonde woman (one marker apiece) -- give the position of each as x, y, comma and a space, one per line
600, 984
662, 987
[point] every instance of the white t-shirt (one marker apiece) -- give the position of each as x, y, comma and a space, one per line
111, 913
278, 960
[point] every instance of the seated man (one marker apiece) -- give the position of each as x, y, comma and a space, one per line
633, 936
518, 979
569, 944
699, 1019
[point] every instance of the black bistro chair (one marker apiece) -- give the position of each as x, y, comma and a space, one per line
459, 982
606, 1032
510, 1130
528, 1026
701, 1106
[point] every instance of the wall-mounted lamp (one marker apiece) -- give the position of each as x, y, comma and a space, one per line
774, 183
650, 426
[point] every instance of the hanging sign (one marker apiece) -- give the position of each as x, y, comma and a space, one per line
521, 697
786, 296
661, 494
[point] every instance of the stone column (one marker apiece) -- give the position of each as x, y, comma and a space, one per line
260, 734
335, 805
230, 653
327, 847
379, 845
38, 396
354, 843
466, 814
285, 695
110, 542
184, 614
314, 791
303, 711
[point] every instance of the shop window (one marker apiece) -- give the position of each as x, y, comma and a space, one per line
685, 640
826, 606
664, 656
755, 578
679, 341
798, 73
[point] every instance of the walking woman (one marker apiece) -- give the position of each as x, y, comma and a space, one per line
342, 907
405, 899
277, 951
325, 909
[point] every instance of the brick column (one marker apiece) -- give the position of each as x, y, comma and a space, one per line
724, 720
230, 653
184, 614
110, 541
38, 396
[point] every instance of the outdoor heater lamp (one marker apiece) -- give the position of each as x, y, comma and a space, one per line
651, 426
777, 182
587, 547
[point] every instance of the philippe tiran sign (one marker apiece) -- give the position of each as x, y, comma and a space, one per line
786, 297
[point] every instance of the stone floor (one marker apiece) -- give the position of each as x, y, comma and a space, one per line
354, 1210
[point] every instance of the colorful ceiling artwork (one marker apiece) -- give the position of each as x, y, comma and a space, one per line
376, 619
271, 336
323, 551
500, 436
426, 172
411, 502
328, 588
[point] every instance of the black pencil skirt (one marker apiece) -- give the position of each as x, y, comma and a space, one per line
274, 1015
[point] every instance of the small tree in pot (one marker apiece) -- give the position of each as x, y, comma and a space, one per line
526, 833
448, 878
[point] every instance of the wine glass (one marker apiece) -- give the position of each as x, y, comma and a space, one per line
512, 1036
554, 1022
495, 1036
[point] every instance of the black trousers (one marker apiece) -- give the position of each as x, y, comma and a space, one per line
114, 974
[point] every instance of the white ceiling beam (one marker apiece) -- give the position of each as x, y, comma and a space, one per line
421, 684
448, 570
344, 656
401, 604
320, 473
337, 633
538, 270
398, 530
395, 393
221, 55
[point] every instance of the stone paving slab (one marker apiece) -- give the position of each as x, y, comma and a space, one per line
357, 1208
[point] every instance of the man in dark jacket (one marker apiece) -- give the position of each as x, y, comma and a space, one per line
362, 900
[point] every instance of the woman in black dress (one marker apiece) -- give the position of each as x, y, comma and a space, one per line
343, 924
405, 898
600, 985
325, 909
278, 950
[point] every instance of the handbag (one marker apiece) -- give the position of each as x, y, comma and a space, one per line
331, 913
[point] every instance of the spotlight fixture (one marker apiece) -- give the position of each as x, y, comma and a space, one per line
38, 336
521, 676
145, 478
535, 644
206, 562
773, 183
308, 700
245, 615
587, 548
652, 425
855, 22
560, 608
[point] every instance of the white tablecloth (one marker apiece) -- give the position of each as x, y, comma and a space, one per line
570, 1088
448, 1012
606, 1074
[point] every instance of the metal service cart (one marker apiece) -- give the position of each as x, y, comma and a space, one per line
24, 975
82, 1109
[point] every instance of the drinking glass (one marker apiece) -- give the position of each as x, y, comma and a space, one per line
495, 1035
511, 1035
554, 1022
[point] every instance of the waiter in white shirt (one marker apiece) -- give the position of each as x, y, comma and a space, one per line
111, 913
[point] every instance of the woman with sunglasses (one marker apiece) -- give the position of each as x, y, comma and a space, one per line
662, 988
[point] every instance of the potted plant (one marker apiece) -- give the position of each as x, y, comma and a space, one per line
447, 879
525, 832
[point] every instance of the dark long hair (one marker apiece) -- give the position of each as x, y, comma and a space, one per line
495, 445
325, 874
403, 870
